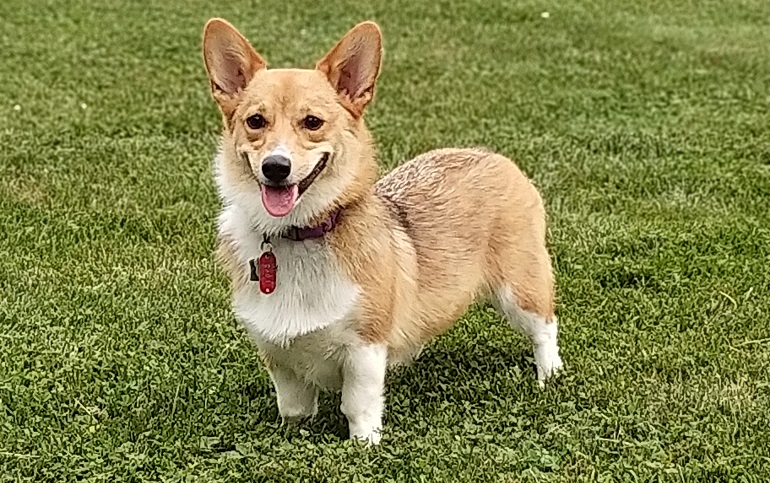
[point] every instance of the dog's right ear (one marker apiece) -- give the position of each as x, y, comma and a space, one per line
230, 60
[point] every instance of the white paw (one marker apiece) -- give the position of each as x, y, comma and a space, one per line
295, 418
370, 437
296, 413
547, 361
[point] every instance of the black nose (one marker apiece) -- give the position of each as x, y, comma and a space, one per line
276, 168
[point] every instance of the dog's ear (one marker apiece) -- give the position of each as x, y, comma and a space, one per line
230, 60
353, 65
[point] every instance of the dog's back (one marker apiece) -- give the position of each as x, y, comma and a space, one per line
477, 226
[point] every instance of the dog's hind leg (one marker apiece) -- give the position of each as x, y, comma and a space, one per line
523, 290
541, 329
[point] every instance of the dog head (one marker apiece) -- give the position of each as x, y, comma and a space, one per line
294, 143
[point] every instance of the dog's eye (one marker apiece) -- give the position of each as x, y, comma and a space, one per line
312, 123
257, 121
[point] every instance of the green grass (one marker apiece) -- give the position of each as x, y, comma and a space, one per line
645, 124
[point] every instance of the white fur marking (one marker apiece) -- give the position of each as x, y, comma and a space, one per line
316, 358
363, 382
297, 399
311, 290
542, 333
280, 150
244, 193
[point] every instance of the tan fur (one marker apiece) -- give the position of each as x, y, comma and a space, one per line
422, 243
286, 95
473, 222
225, 255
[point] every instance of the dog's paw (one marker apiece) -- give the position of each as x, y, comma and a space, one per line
296, 415
296, 419
369, 438
548, 362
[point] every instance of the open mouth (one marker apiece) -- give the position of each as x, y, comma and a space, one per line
280, 200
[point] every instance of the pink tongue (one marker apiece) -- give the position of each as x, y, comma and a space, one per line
279, 201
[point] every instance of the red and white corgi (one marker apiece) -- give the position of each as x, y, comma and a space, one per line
337, 276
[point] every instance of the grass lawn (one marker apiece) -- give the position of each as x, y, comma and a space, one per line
645, 124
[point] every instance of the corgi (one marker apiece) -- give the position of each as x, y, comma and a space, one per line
337, 276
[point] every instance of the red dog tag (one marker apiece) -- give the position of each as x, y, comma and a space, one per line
267, 269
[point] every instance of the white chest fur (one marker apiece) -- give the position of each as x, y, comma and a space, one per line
312, 293
318, 357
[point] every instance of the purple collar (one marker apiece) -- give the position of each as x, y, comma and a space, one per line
297, 233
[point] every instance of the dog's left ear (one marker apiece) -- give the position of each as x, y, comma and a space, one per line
353, 65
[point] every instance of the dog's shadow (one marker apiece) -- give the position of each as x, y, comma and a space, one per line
441, 376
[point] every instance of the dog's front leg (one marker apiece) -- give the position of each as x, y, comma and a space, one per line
363, 385
297, 399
